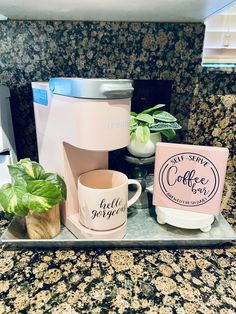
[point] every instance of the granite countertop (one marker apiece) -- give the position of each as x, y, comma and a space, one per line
182, 281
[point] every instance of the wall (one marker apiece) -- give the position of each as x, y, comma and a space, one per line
213, 112
36, 51
203, 100
213, 122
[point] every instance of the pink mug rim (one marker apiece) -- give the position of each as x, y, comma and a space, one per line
103, 189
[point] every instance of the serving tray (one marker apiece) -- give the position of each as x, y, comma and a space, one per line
143, 231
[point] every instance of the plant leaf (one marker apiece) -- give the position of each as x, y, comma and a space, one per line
144, 117
134, 114
133, 120
149, 110
41, 196
164, 116
26, 169
170, 134
18, 173
32, 168
133, 124
142, 134
133, 128
11, 199
56, 180
159, 126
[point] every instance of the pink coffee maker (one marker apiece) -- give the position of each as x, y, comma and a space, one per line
78, 121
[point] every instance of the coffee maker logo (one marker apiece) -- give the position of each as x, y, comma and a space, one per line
189, 179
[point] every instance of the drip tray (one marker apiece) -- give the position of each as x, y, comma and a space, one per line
143, 231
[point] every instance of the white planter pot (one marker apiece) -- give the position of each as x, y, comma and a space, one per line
138, 149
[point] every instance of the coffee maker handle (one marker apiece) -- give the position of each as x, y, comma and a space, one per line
137, 193
114, 91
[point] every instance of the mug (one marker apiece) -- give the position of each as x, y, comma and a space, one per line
103, 199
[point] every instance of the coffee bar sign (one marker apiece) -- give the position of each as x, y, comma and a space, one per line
189, 177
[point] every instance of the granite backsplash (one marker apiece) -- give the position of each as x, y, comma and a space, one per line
37, 50
203, 101
213, 113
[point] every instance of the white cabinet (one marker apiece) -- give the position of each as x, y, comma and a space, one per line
220, 38
113, 10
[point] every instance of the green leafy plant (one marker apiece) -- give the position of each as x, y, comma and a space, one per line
32, 189
152, 120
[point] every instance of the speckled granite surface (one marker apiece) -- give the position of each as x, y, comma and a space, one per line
120, 281
37, 50
182, 281
213, 113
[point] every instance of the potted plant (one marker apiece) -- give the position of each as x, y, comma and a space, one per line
146, 129
36, 195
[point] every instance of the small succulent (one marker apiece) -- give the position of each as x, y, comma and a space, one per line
152, 120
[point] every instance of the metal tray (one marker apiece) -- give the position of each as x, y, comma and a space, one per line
143, 231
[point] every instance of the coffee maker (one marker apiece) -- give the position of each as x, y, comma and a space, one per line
78, 121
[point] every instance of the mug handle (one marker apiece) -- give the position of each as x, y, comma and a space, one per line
137, 193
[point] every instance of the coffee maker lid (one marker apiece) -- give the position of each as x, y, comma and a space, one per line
91, 88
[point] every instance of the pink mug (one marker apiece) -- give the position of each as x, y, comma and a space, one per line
103, 199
